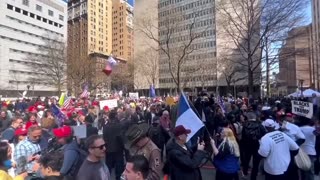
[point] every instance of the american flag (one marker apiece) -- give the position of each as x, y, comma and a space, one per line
85, 92
67, 103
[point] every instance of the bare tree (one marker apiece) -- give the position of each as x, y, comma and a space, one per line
147, 64
248, 23
122, 77
49, 65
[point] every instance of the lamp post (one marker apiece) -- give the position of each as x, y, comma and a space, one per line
301, 86
28, 87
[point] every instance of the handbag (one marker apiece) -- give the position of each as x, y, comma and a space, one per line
302, 160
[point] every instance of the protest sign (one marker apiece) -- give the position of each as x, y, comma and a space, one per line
111, 103
302, 108
80, 131
134, 95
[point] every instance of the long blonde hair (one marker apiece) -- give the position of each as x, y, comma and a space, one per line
231, 141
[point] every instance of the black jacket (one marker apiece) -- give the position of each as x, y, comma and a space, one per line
112, 135
53, 178
91, 130
184, 164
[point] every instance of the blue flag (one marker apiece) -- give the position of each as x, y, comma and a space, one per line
187, 117
59, 116
152, 91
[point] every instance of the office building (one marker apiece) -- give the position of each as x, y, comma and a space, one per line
25, 25
315, 6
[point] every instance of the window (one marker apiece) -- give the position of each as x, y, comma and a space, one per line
56, 24
50, 13
25, 2
32, 15
18, 10
44, 20
38, 8
9, 7
39, 18
25, 12
61, 17
50, 22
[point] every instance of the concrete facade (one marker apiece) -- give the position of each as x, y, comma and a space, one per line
24, 26
316, 42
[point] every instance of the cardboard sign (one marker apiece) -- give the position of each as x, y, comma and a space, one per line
111, 103
170, 101
302, 108
134, 95
80, 131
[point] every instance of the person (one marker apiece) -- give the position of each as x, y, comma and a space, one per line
276, 147
93, 167
226, 156
252, 132
5, 163
32, 120
71, 152
90, 129
27, 151
50, 165
4, 120
112, 134
8, 134
139, 144
137, 168
184, 163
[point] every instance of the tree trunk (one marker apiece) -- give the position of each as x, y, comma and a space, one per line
250, 82
267, 69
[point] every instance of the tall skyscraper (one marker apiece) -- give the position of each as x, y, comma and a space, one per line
89, 36
25, 25
316, 41
122, 29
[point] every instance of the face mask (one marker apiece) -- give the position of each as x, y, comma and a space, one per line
7, 164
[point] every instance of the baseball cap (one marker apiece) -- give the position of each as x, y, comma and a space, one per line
65, 131
179, 130
269, 123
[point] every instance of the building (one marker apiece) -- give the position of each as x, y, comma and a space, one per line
146, 56
25, 25
316, 41
295, 61
89, 32
122, 29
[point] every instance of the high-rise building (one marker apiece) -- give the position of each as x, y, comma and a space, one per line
316, 41
89, 32
295, 61
25, 25
146, 55
122, 29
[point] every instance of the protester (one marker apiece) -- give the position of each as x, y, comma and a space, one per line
184, 163
8, 134
94, 167
27, 152
90, 129
276, 147
226, 156
4, 121
139, 144
137, 168
50, 165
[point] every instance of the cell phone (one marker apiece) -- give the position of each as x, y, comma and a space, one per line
37, 153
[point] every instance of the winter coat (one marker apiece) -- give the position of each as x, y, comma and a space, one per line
184, 164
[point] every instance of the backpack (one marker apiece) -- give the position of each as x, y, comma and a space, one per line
82, 155
252, 130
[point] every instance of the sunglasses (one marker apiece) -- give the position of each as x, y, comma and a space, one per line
100, 147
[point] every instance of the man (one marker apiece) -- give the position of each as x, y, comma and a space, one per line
137, 168
184, 163
90, 129
139, 144
28, 150
252, 132
93, 167
72, 155
112, 134
50, 165
8, 134
276, 148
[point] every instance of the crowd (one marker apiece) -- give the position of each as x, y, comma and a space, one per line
138, 140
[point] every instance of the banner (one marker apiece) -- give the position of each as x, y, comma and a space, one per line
302, 108
134, 95
111, 103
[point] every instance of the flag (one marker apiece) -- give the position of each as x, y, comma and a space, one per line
61, 99
85, 92
187, 117
67, 103
152, 91
221, 104
59, 116
111, 62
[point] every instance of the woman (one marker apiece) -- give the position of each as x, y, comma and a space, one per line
5, 163
226, 156
32, 121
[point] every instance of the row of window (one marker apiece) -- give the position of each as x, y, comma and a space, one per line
33, 25
189, 79
24, 42
28, 53
187, 26
29, 14
23, 62
39, 8
185, 7
29, 82
209, 33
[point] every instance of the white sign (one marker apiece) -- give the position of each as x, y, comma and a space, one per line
80, 131
302, 108
134, 95
111, 103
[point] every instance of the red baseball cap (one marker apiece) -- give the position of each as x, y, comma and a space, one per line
106, 108
65, 131
21, 132
179, 130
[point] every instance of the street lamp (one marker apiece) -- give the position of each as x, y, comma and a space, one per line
301, 86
